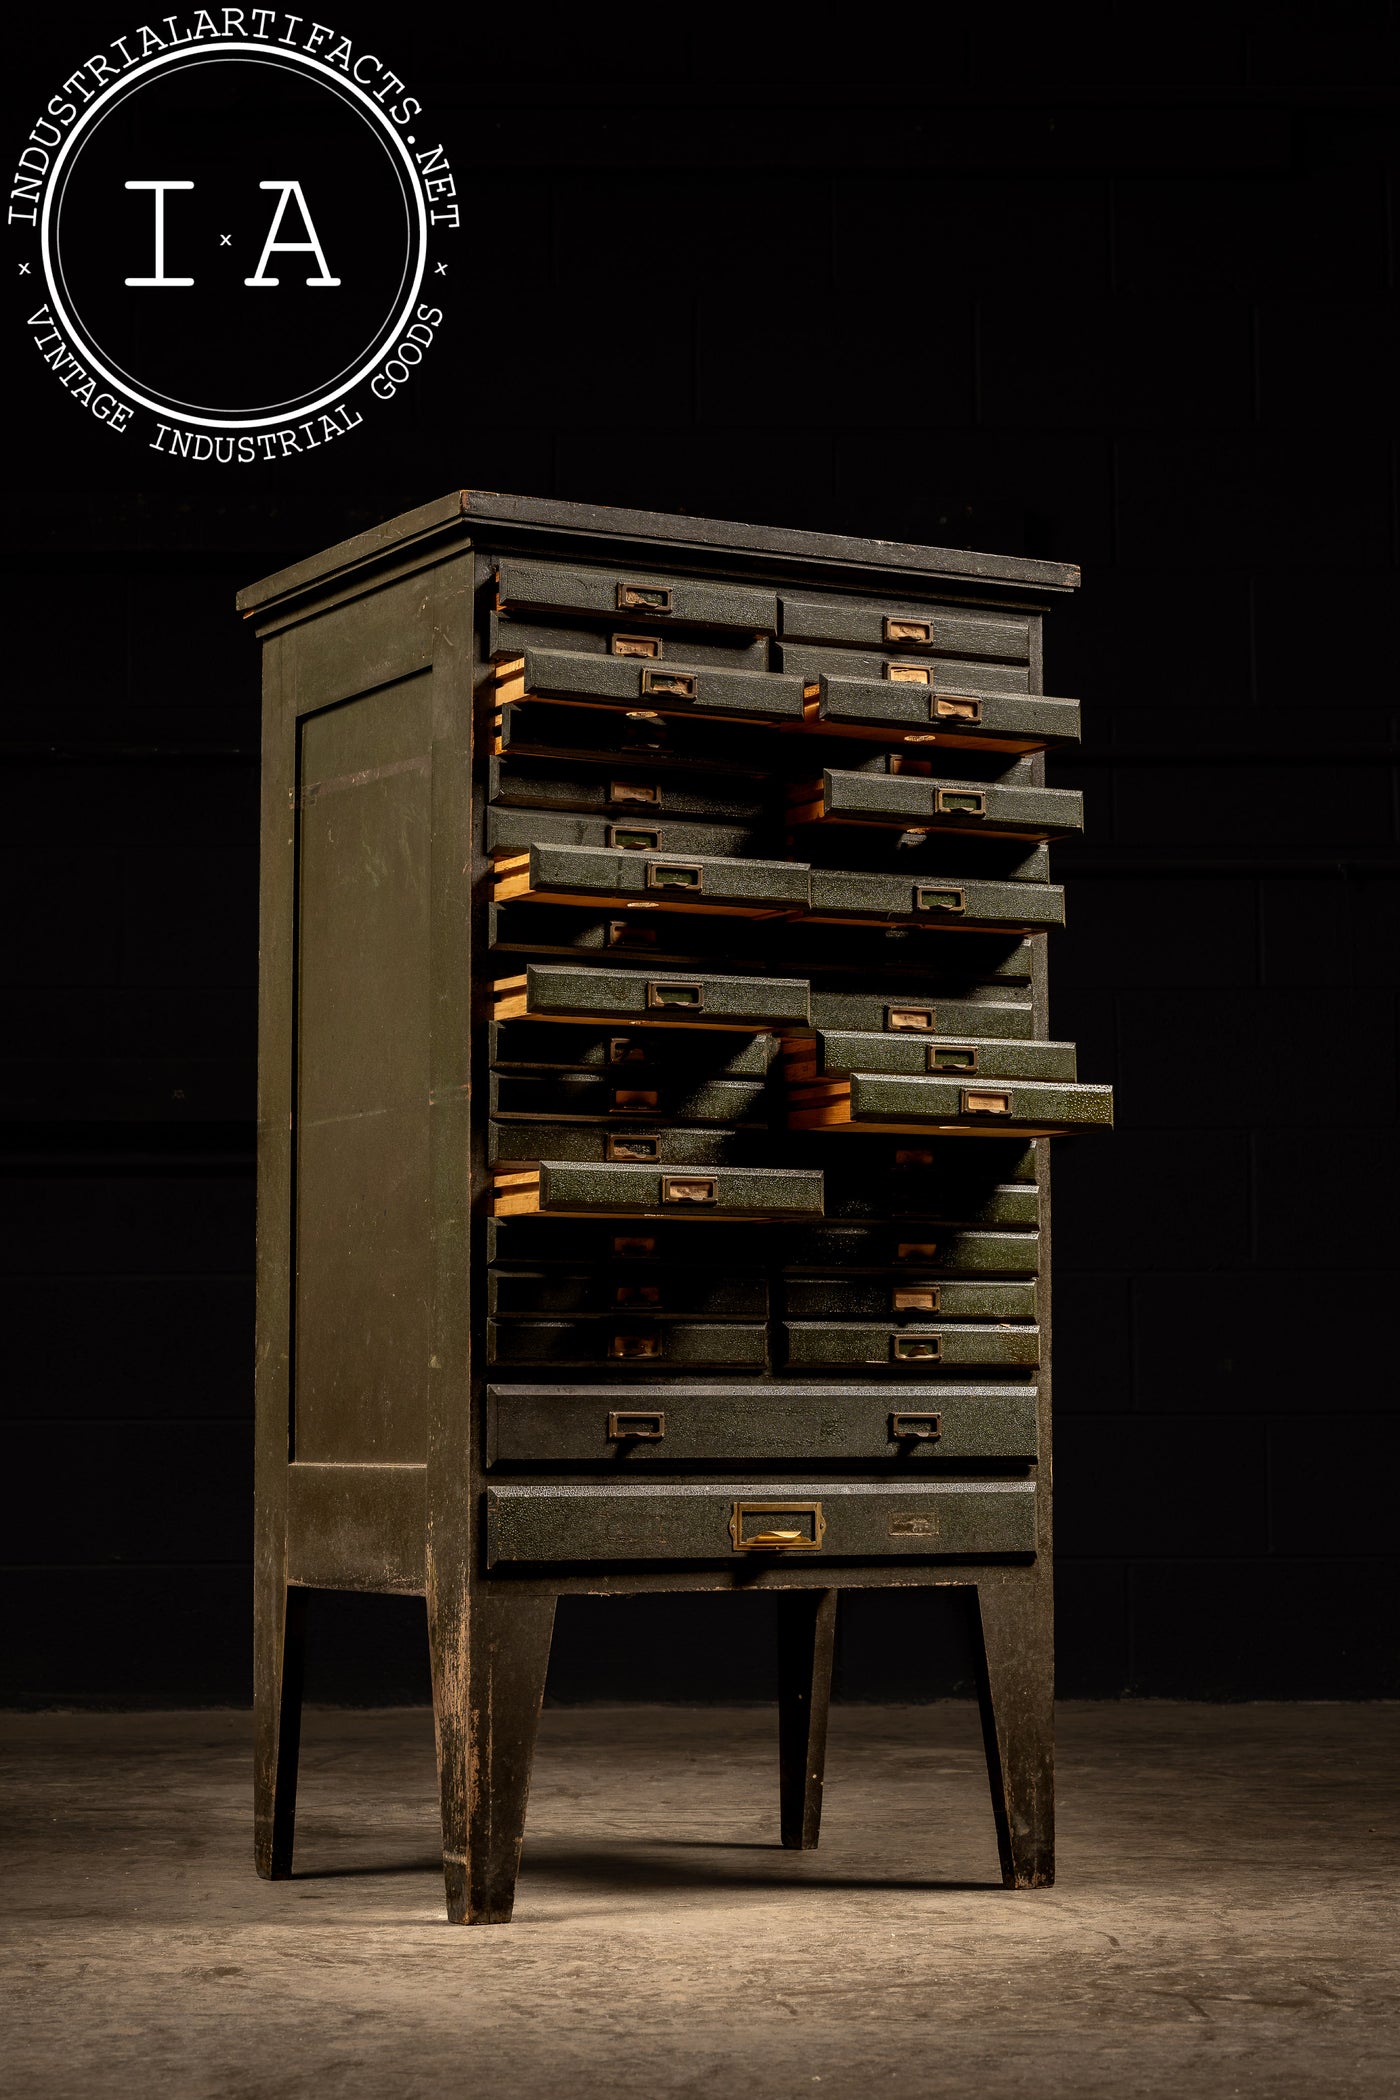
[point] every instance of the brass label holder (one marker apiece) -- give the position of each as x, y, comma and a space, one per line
777, 1536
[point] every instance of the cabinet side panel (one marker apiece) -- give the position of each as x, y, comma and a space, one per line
363, 1242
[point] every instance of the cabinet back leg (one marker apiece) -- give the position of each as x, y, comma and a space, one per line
280, 1634
490, 1657
806, 1636
1016, 1693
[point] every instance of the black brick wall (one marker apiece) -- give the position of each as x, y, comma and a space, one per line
1034, 287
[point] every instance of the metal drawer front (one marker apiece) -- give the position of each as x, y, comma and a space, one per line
654, 1521
650, 1290
601, 736
917, 804
931, 901
876, 1101
510, 635
559, 991
663, 881
836, 1053
678, 1424
617, 1191
635, 596
897, 1249
688, 1344
670, 688
576, 1242
592, 1095
905, 1012
926, 715
904, 1294
811, 661
622, 792
873, 623
678, 1054
908, 1348
528, 1140
517, 830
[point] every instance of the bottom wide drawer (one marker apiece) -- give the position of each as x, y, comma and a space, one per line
759, 1522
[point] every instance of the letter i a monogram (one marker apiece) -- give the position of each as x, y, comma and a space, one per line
272, 246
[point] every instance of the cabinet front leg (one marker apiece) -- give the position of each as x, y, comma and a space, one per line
279, 1642
806, 1634
1016, 1692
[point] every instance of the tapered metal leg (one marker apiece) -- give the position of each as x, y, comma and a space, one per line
1016, 1692
806, 1633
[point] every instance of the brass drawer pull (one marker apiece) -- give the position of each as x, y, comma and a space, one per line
631, 1097
634, 645
642, 1428
915, 1348
689, 1188
635, 1345
648, 1294
633, 1246
959, 802
913, 1156
675, 875
636, 1149
623, 1051
630, 933
643, 597
902, 1018
897, 630
952, 1057
690, 996
630, 841
908, 674
914, 1297
672, 685
916, 1250
927, 898
635, 791
977, 1102
803, 1537
952, 708
925, 1427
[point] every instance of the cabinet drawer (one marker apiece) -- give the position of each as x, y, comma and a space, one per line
649, 1290
673, 1241
678, 1424
955, 902
647, 1521
611, 634
969, 720
917, 804
899, 1249
905, 1295
558, 991
873, 623
670, 688
678, 1054
603, 736
877, 1101
836, 1053
810, 662
903, 1011
561, 1187
662, 881
638, 597
589, 1096
527, 1140
517, 830
908, 1347
623, 793
688, 1344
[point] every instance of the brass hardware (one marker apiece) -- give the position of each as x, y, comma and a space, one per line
628, 933
633, 1246
914, 1297
915, 1348
623, 1051
675, 875
897, 630
959, 802
626, 1294
916, 1250
644, 1149
662, 993
624, 1097
634, 645
975, 1102
903, 1018
635, 791
929, 898
951, 1057
643, 597
671, 685
925, 1427
954, 708
913, 1156
908, 674
644, 1428
635, 1345
777, 1539
689, 1188
630, 841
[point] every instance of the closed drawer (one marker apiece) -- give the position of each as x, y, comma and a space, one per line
679, 1424
915, 1186
892, 1010
642, 597
650, 1521
528, 1140
896, 1249
601, 736
920, 713
590, 1096
904, 1294
909, 1348
873, 623
623, 793
654, 1290
676, 1055
664, 940
674, 1240
663, 881
517, 830
835, 1053
613, 634
875, 1101
917, 804
810, 662
670, 688
558, 1187
558, 991
688, 1344
956, 902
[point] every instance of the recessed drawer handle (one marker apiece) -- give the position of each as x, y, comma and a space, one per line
927, 898
948, 709
675, 875
951, 1057
633, 1246
629, 841
915, 1348
689, 1188
907, 674
634, 791
959, 802
916, 1250
639, 1150
625, 1097
692, 996
634, 1345
899, 1019
977, 1102
897, 630
641, 1428
626, 1294
923, 1426
634, 645
753, 1531
674, 685
643, 597
914, 1297
623, 1051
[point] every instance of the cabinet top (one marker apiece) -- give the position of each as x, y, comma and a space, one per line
546, 523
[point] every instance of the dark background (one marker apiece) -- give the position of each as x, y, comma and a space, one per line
1108, 286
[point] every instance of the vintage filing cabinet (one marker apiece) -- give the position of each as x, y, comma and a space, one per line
654, 1100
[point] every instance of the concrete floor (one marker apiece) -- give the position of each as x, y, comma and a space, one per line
1225, 1921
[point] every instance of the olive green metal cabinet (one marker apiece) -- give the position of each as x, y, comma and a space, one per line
655, 1088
